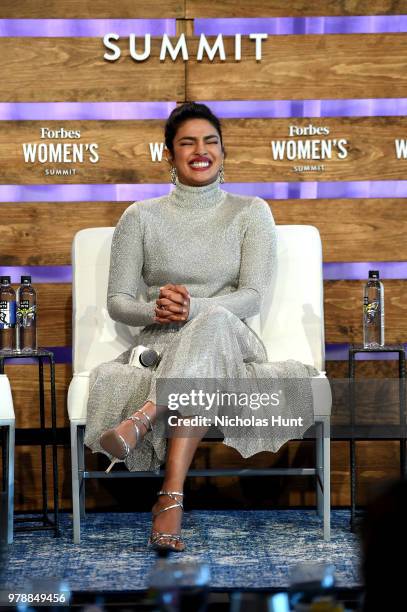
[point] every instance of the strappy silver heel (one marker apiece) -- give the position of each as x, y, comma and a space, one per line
156, 537
111, 441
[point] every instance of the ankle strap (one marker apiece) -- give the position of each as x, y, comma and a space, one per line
170, 493
145, 415
147, 423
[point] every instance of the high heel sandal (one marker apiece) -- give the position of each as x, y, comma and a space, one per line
110, 440
157, 536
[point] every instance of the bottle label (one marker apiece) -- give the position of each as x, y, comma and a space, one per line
370, 310
26, 313
7, 314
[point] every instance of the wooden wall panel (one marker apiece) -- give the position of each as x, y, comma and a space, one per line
123, 149
28, 492
54, 303
294, 8
73, 70
125, 155
342, 303
33, 224
343, 311
351, 230
24, 385
304, 67
293, 67
88, 9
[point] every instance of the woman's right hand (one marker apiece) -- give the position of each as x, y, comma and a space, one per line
172, 304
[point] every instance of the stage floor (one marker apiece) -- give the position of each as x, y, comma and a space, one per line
245, 550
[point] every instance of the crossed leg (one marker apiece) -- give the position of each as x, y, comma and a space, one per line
181, 449
180, 452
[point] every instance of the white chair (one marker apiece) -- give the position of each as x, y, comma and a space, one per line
291, 325
7, 424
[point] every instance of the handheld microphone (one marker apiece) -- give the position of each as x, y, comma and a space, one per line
144, 357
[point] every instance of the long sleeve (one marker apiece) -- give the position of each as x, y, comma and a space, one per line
126, 263
258, 254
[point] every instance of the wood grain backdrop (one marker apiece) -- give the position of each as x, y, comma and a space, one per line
354, 229
297, 67
292, 67
130, 9
123, 148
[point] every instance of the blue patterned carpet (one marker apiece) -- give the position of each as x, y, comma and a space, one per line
245, 549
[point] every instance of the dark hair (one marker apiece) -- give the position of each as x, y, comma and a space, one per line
189, 110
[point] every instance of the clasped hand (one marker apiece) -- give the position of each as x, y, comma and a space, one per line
172, 304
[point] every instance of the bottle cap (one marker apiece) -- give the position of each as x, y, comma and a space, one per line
26, 279
374, 274
5, 279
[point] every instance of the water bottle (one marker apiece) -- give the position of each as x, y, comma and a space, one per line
373, 311
7, 315
26, 316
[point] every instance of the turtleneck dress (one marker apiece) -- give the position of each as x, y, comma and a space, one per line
222, 248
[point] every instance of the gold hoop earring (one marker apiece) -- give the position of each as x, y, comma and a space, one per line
221, 174
173, 174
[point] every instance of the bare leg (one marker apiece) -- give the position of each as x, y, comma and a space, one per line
180, 452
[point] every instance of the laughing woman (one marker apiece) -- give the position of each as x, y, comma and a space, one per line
207, 258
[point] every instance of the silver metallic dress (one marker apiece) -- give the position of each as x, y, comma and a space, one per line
222, 247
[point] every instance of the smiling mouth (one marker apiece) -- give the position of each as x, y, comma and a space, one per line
200, 165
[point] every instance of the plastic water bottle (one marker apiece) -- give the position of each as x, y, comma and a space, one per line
7, 315
373, 311
26, 316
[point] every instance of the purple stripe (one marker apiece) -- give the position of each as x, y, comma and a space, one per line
339, 352
331, 271
360, 270
11, 111
317, 190
39, 274
273, 191
85, 27
302, 25
262, 109
228, 27
81, 193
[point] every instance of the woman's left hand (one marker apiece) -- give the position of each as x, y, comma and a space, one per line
172, 304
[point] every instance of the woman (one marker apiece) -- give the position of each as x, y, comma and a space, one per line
206, 257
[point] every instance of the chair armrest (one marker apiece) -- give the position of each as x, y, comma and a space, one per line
6, 402
78, 393
322, 395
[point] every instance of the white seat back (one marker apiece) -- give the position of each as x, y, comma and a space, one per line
291, 323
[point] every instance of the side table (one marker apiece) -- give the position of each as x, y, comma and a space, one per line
41, 355
387, 348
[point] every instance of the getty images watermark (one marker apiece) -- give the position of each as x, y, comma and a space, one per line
207, 401
235, 406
